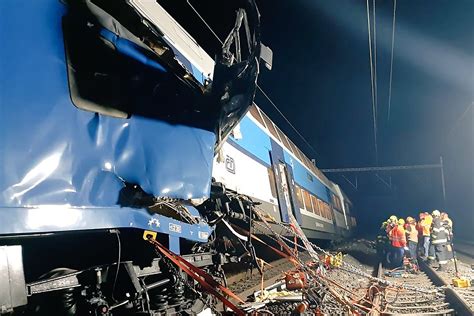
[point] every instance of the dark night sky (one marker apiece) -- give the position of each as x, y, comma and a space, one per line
321, 82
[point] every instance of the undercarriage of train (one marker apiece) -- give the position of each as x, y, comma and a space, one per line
132, 272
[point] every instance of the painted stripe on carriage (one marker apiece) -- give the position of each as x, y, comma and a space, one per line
286, 150
237, 146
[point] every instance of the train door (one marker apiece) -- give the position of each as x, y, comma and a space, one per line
284, 183
292, 193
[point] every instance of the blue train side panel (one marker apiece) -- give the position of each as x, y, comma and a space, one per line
53, 153
255, 142
300, 174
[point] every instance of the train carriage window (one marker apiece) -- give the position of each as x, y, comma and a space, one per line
307, 162
307, 201
304, 159
271, 178
281, 136
295, 150
322, 208
270, 126
314, 169
256, 114
299, 197
284, 139
328, 211
316, 209
347, 208
117, 77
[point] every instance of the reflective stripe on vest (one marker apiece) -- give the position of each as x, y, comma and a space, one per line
439, 241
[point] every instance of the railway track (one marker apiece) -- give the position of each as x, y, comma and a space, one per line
245, 284
435, 297
427, 292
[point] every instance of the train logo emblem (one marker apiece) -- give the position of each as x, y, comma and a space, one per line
230, 164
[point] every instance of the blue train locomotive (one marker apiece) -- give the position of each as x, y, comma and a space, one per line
110, 116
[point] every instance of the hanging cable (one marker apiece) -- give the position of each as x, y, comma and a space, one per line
372, 83
119, 258
391, 59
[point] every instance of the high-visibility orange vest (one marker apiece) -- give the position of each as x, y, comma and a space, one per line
397, 236
412, 233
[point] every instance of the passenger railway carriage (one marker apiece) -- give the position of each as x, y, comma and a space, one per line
260, 161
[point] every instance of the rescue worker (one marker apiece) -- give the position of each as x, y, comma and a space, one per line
411, 236
426, 225
439, 240
391, 223
382, 242
399, 243
419, 228
445, 218
448, 224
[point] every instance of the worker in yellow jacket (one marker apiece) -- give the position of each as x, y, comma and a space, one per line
412, 236
426, 228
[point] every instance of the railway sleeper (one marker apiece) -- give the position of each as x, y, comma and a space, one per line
446, 312
428, 307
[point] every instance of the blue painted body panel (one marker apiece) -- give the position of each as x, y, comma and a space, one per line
52, 153
236, 145
255, 140
300, 174
59, 218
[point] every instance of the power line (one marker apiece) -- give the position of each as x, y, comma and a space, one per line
204, 21
375, 62
460, 118
259, 88
391, 59
289, 123
385, 168
372, 84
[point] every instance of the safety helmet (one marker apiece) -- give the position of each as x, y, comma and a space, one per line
384, 224
393, 218
422, 215
401, 221
409, 219
436, 213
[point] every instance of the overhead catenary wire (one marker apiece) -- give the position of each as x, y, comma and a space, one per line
374, 118
391, 60
375, 60
288, 121
204, 21
258, 86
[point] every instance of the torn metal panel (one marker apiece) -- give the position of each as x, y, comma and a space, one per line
12, 279
53, 153
95, 100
